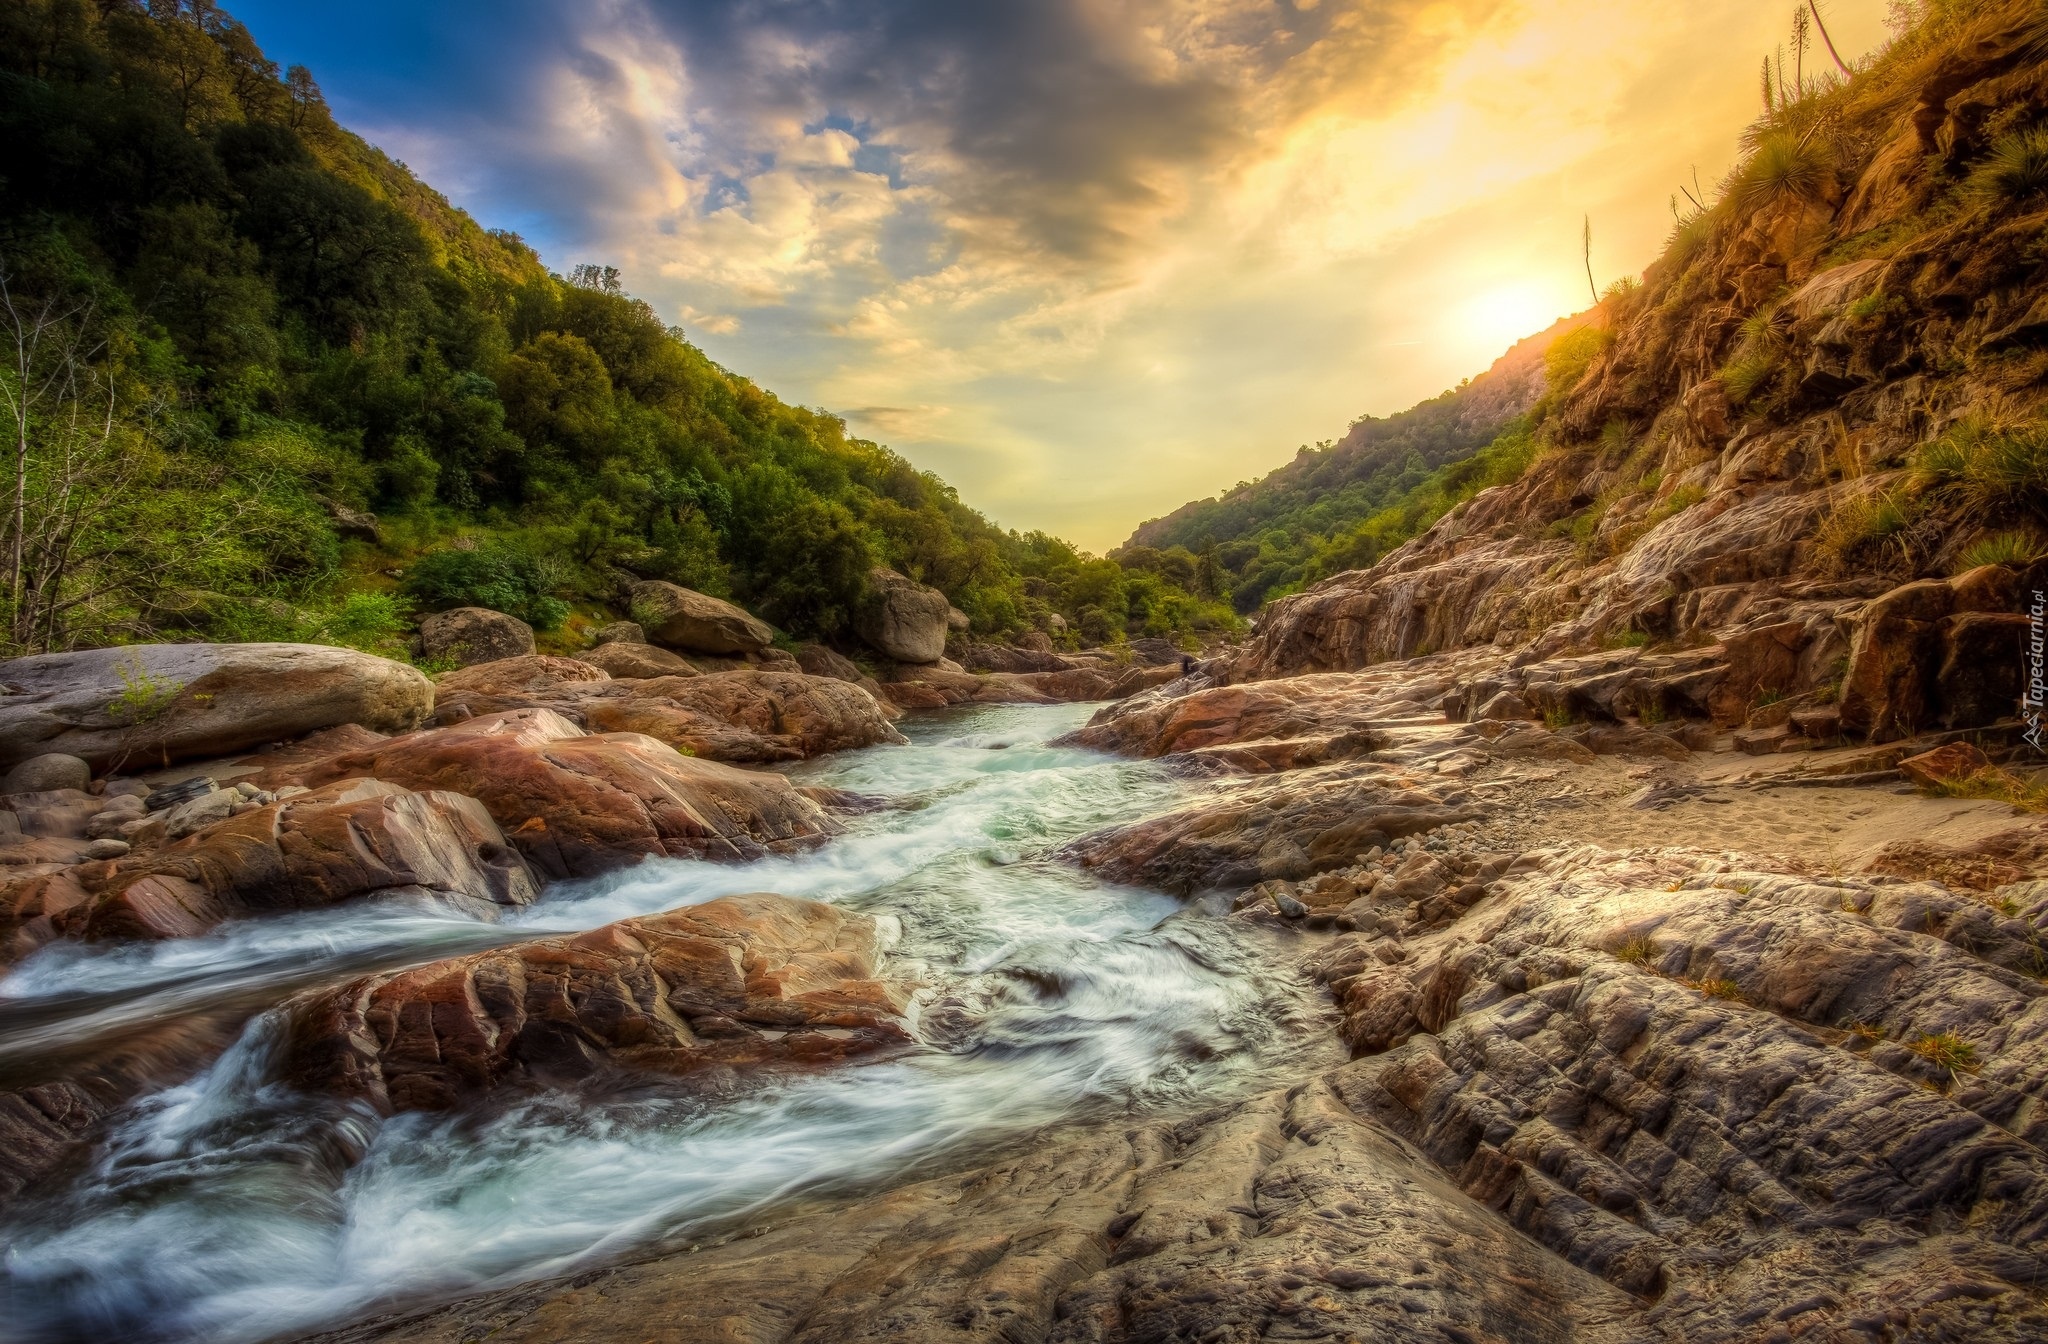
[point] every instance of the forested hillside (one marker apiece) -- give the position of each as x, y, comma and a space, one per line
233, 329
1342, 505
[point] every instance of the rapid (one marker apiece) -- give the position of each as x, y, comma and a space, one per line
232, 1208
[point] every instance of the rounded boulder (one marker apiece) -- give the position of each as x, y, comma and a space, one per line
638, 661
902, 618
472, 635
691, 622
40, 774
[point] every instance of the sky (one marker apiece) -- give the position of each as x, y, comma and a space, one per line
1085, 259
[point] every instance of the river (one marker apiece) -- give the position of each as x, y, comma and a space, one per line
230, 1208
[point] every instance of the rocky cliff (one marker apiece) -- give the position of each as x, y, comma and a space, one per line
1815, 417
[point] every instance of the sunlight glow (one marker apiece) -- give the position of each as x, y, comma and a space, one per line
1497, 318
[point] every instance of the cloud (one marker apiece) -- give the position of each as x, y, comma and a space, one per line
1087, 258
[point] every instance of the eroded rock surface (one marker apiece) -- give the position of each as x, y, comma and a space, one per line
147, 704
357, 839
739, 982
753, 716
578, 804
1303, 824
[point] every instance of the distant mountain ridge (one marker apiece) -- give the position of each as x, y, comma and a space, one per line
1336, 505
1448, 425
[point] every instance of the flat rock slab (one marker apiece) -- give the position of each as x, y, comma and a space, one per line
1302, 824
1288, 1216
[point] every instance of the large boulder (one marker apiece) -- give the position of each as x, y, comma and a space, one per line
151, 704
755, 715
638, 661
1332, 714
746, 716
902, 619
820, 661
738, 982
469, 635
354, 840
1894, 659
1303, 824
679, 618
533, 673
576, 804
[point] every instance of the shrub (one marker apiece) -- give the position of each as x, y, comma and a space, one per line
2016, 168
2014, 549
494, 576
1637, 951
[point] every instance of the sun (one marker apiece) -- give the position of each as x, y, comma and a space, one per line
1491, 321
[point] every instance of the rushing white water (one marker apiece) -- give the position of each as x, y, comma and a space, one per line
231, 1208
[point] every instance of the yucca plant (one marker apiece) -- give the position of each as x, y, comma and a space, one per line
1981, 465
2015, 170
2012, 549
1784, 165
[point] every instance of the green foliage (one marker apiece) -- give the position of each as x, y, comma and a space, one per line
1339, 505
283, 316
497, 576
1784, 165
1858, 523
144, 695
1984, 466
2013, 549
2015, 170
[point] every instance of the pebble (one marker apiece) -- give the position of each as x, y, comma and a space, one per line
106, 849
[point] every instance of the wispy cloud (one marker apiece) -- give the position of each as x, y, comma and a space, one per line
1087, 258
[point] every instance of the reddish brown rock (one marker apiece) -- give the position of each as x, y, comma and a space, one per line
1303, 824
1888, 691
358, 839
624, 659
1949, 764
527, 675
741, 982
746, 716
1337, 709
576, 805
755, 716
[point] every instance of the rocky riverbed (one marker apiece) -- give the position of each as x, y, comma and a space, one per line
1423, 1030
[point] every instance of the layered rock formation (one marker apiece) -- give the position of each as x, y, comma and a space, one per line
360, 838
734, 983
576, 804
